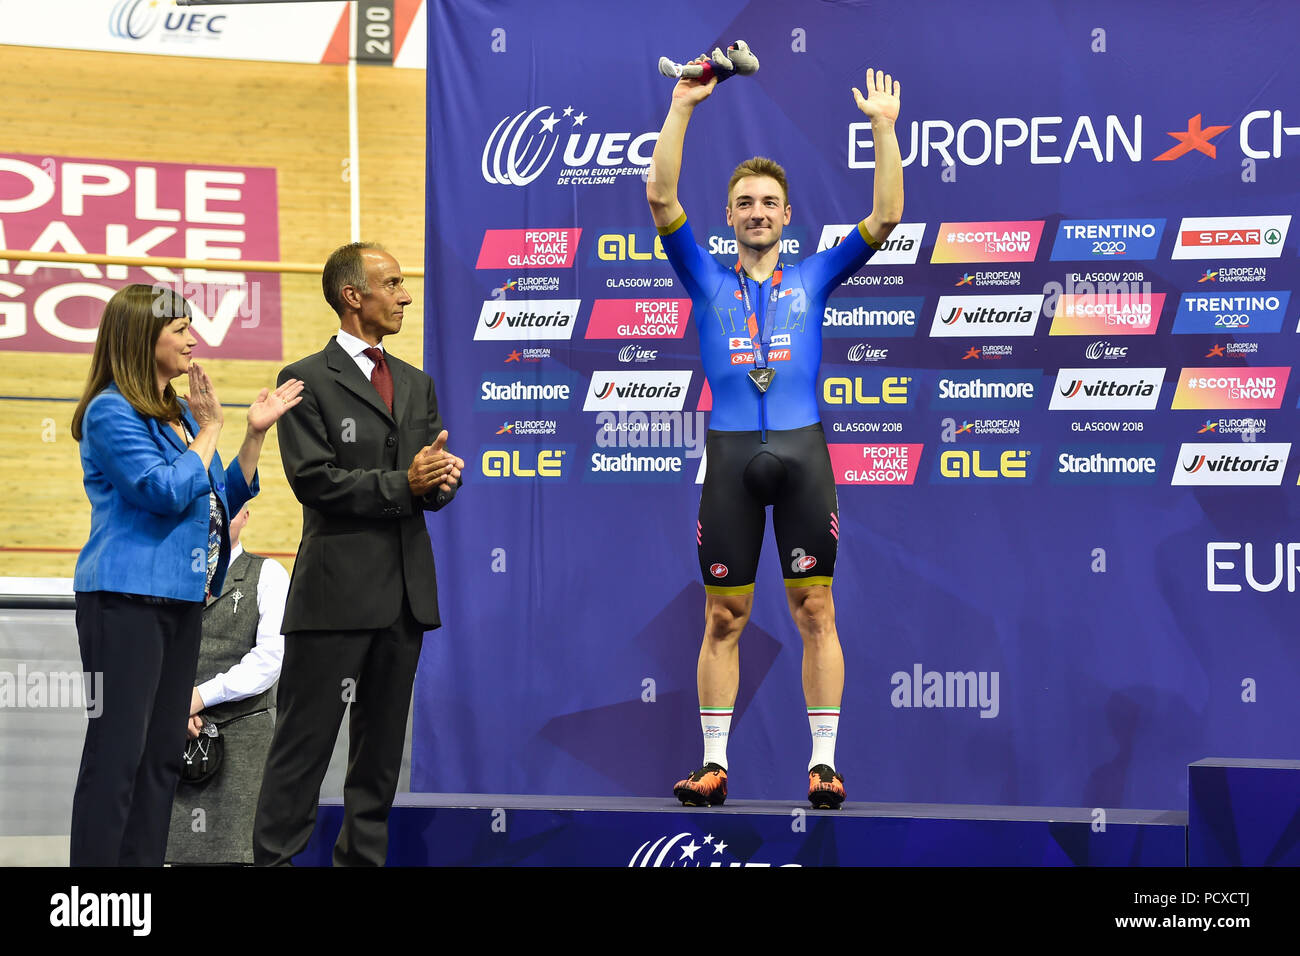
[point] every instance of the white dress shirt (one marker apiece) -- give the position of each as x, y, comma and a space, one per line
260, 667
356, 348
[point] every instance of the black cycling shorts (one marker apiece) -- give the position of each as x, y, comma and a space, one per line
791, 471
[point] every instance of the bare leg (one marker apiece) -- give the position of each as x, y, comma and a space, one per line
718, 674
813, 610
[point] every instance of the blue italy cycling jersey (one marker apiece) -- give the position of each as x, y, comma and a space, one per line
726, 346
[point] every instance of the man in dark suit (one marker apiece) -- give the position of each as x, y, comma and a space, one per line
364, 453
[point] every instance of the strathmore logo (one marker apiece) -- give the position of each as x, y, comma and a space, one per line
670, 851
521, 146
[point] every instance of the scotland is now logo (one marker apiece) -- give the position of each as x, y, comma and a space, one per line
669, 851
521, 147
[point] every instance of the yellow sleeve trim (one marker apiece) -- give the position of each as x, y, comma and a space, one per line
724, 592
862, 228
673, 226
807, 582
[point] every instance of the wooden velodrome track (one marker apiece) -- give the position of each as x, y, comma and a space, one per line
293, 117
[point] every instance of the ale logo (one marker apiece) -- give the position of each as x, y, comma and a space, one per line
523, 463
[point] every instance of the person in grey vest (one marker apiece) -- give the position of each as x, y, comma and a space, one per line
239, 662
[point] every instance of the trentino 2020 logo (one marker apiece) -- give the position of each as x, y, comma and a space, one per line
133, 19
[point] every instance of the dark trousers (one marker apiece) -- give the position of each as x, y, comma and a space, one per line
147, 655
322, 672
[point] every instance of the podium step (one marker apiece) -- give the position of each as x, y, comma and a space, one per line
1243, 812
434, 829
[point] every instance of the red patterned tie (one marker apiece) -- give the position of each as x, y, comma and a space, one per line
380, 376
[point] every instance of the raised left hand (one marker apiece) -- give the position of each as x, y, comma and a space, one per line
268, 406
881, 101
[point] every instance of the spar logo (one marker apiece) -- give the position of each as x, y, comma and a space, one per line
528, 249
526, 319
1123, 388
1081, 239
643, 391
985, 316
1217, 312
900, 249
1259, 387
133, 19
1231, 237
670, 851
988, 241
1235, 463
520, 148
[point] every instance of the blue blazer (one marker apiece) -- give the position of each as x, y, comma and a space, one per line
149, 504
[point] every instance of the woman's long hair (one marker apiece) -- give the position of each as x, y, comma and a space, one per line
124, 352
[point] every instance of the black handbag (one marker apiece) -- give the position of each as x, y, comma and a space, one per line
203, 755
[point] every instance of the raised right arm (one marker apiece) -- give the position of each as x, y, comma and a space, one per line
666, 163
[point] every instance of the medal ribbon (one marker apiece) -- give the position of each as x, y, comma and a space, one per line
760, 343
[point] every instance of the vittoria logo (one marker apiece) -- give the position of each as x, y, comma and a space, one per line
1090, 388
986, 316
900, 249
647, 391
1236, 463
527, 319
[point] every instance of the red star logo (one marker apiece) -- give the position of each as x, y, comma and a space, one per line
973, 353
1194, 139
1216, 352
513, 357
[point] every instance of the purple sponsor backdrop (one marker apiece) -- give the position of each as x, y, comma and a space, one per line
1096, 624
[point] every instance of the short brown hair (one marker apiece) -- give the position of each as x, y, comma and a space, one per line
344, 267
128, 334
759, 166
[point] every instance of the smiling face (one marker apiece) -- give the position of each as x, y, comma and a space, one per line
173, 350
758, 210
380, 307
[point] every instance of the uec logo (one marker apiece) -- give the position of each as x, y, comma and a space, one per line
133, 19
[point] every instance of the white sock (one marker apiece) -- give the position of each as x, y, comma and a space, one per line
715, 723
824, 724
